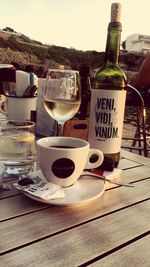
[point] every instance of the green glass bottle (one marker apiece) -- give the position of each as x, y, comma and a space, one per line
108, 96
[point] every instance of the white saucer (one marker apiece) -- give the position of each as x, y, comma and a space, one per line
84, 190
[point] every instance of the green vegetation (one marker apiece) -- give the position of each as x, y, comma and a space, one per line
47, 56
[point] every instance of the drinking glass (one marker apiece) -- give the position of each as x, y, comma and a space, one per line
17, 146
62, 95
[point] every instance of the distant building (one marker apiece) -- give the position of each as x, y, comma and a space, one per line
138, 43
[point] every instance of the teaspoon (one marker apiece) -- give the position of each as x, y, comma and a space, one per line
106, 179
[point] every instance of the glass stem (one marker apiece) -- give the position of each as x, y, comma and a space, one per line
60, 128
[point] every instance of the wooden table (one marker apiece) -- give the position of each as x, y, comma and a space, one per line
110, 231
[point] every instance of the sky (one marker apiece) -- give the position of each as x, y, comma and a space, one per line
79, 24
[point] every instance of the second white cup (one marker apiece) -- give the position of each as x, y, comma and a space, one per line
18, 108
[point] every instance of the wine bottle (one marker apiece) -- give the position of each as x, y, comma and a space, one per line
108, 96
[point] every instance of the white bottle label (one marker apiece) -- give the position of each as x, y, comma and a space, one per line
106, 120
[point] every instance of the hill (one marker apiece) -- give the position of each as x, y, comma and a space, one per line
23, 52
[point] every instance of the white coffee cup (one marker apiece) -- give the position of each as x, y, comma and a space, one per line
63, 159
18, 108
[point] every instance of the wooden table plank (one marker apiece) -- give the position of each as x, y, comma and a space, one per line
126, 164
18, 205
8, 193
86, 242
135, 157
131, 175
136, 174
58, 218
136, 254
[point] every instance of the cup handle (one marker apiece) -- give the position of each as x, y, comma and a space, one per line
2, 102
95, 158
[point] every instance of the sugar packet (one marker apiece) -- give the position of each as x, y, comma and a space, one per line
115, 175
36, 185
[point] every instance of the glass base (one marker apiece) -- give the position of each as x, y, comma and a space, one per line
15, 169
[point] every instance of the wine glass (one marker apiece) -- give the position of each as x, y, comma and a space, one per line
62, 95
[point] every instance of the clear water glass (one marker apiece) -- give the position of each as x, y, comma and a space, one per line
17, 146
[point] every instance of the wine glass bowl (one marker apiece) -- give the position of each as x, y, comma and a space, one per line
62, 95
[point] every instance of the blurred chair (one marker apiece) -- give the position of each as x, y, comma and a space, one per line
142, 83
138, 102
143, 76
135, 115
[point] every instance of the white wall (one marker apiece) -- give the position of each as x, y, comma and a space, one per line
137, 42
129, 39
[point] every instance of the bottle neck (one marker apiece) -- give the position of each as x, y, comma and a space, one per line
113, 43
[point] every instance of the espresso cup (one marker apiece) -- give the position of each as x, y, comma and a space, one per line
18, 108
63, 159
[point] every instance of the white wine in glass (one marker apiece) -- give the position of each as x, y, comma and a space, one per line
62, 95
